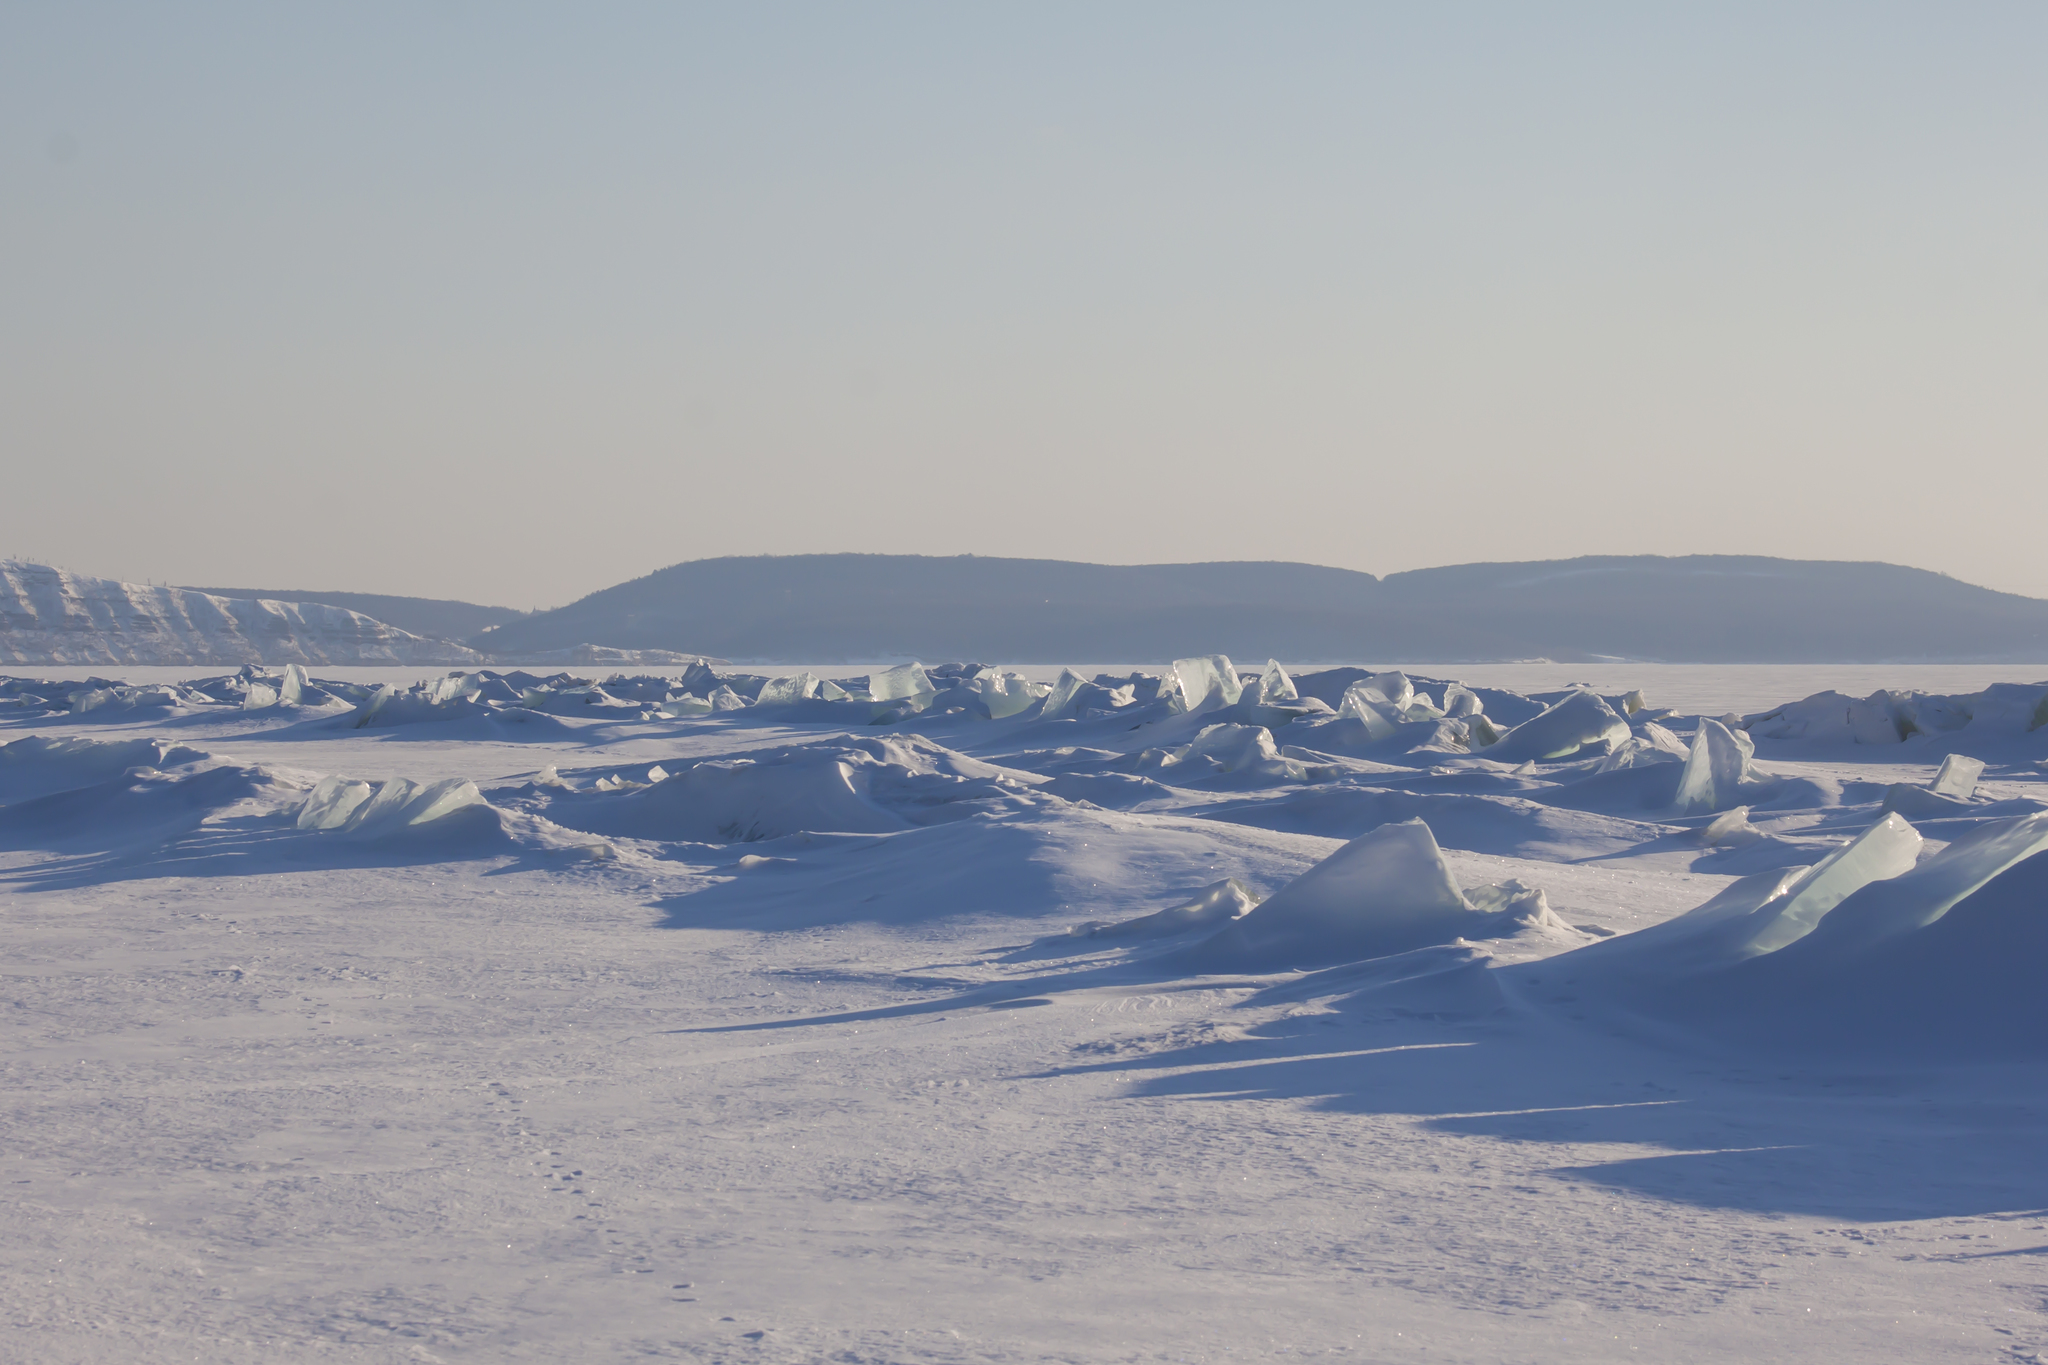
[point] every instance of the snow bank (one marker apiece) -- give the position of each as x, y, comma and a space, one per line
1217, 904
38, 765
740, 801
141, 808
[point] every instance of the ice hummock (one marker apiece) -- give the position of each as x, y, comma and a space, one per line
904, 683
1957, 777
1388, 891
1604, 777
1889, 716
1886, 954
1204, 683
1580, 721
1885, 850
1004, 694
1059, 702
1274, 684
1716, 770
787, 691
348, 806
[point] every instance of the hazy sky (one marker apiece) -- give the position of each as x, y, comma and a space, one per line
509, 303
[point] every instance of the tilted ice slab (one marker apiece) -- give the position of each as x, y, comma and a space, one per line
1581, 720
349, 806
50, 616
1204, 683
1957, 777
1272, 685
1872, 947
1761, 913
1921, 895
906, 682
1718, 773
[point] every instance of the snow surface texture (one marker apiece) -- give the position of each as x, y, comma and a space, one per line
939, 1014
50, 616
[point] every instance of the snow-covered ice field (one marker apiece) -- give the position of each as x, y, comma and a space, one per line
512, 1020
1713, 688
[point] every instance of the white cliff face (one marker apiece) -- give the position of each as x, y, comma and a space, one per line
49, 616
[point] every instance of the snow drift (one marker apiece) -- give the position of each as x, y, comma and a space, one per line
864, 786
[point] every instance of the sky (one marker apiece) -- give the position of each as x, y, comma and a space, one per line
509, 303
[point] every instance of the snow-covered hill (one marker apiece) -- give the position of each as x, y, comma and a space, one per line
49, 616
1685, 608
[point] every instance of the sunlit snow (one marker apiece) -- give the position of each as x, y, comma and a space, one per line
938, 1013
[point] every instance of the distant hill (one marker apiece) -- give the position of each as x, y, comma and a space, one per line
1691, 609
430, 616
51, 616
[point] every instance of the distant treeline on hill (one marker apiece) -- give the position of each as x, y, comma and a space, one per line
1692, 609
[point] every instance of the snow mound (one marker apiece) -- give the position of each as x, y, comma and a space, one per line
1223, 901
142, 806
869, 785
1246, 751
1386, 892
40, 764
1893, 717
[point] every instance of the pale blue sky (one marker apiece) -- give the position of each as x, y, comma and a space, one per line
511, 303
